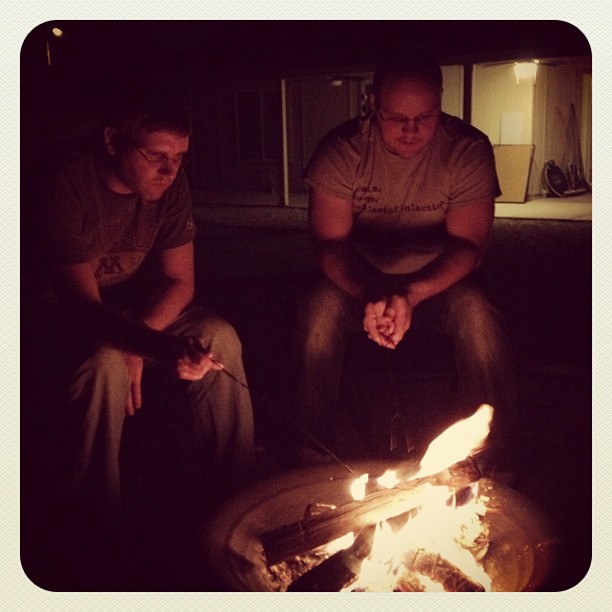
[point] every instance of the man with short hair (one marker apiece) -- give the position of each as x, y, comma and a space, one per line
401, 208
116, 313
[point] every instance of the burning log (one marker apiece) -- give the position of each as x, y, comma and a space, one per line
300, 537
438, 569
340, 570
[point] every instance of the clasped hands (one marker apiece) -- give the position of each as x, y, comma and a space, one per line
386, 320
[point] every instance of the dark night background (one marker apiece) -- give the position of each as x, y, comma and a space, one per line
95, 55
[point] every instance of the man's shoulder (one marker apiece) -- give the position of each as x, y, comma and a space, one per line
458, 129
352, 132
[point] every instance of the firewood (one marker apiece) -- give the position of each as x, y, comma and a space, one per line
302, 536
440, 570
340, 570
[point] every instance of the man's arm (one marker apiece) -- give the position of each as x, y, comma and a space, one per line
468, 228
389, 306
79, 290
331, 224
175, 287
144, 337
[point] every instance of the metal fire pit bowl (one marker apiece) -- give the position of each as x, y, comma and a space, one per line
520, 555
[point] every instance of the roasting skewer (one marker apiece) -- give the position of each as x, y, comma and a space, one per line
278, 410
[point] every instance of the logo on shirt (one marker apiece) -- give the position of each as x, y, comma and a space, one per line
109, 264
116, 267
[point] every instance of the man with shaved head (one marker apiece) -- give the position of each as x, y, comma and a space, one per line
401, 209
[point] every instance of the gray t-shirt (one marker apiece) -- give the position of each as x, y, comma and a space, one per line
399, 205
82, 220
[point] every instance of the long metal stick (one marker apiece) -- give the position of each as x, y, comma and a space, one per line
298, 427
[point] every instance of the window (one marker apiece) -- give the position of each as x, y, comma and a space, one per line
259, 124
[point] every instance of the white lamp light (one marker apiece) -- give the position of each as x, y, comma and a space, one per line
525, 70
57, 33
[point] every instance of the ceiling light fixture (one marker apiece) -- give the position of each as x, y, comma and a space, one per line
525, 70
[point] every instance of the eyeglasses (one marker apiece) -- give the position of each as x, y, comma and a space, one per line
424, 120
161, 159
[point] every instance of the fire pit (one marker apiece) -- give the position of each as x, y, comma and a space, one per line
519, 554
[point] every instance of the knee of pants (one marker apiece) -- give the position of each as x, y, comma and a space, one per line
476, 326
220, 337
469, 309
107, 363
103, 376
324, 315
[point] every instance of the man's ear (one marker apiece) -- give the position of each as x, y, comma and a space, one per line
372, 100
111, 137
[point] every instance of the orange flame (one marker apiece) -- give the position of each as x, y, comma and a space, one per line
358, 487
448, 530
460, 440
438, 527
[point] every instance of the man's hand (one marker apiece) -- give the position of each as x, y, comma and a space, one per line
188, 368
194, 362
387, 321
378, 327
399, 312
191, 362
134, 365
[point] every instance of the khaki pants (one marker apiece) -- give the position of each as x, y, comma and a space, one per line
209, 423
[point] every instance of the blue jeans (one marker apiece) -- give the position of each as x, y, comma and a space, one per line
482, 354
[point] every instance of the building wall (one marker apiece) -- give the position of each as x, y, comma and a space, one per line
526, 113
314, 106
533, 112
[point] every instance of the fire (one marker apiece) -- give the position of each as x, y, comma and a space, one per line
358, 487
460, 440
442, 542
388, 480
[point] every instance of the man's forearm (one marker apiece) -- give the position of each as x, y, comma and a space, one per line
139, 332
350, 272
108, 326
163, 307
443, 272
364, 282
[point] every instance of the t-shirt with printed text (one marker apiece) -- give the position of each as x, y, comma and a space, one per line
399, 205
